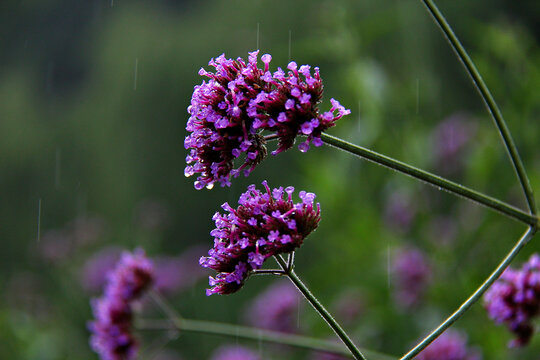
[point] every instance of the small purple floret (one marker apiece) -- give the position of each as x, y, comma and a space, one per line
264, 224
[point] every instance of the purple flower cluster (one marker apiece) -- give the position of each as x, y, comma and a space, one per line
263, 225
514, 300
451, 345
234, 352
411, 273
228, 113
111, 332
276, 309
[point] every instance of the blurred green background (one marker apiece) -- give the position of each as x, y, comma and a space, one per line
93, 98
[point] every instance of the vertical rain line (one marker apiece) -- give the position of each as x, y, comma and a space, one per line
290, 40
417, 96
258, 36
135, 73
57, 169
39, 221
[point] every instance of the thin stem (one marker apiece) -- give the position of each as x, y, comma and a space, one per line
320, 309
488, 100
254, 334
474, 297
268, 272
432, 179
164, 305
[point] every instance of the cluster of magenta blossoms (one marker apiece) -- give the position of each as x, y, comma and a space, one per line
239, 101
263, 225
514, 300
111, 330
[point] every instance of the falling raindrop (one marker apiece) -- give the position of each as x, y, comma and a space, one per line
257, 36
57, 169
290, 34
135, 75
388, 264
417, 95
39, 220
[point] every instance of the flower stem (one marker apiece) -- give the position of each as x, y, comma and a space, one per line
432, 179
320, 309
490, 103
254, 334
474, 297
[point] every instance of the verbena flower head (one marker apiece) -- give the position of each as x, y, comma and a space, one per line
239, 101
514, 300
111, 331
451, 345
276, 308
263, 225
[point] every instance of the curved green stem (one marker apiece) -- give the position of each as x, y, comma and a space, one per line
432, 179
320, 309
488, 100
254, 334
474, 297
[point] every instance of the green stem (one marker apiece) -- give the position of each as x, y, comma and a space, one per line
320, 309
254, 334
432, 179
488, 100
474, 297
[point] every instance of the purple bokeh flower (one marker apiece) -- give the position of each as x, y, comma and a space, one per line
111, 331
276, 308
239, 101
514, 300
411, 273
450, 140
94, 272
451, 345
399, 211
349, 306
263, 225
234, 352
177, 273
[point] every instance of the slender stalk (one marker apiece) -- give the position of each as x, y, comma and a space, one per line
490, 103
320, 309
432, 179
474, 297
254, 334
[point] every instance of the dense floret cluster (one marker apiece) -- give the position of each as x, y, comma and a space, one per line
230, 110
111, 330
514, 300
264, 224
